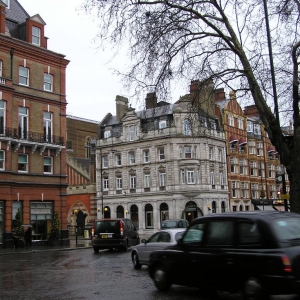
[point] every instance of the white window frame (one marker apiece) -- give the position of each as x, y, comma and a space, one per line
105, 184
131, 158
188, 152
162, 179
2, 116
232, 165
25, 163
234, 189
107, 134
119, 183
187, 127
49, 158
220, 155
161, 154
146, 181
24, 76
162, 124
36, 35
23, 122
240, 123
210, 153
230, 120
195, 152
146, 156
131, 129
212, 177
190, 176
105, 161
132, 179
47, 118
48, 82
221, 178
118, 159
249, 126
2, 160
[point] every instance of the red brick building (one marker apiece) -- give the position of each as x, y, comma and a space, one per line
32, 125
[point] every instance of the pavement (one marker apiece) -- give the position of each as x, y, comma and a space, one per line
81, 243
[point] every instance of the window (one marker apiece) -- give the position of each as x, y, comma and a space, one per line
131, 133
105, 161
223, 209
220, 233
190, 177
23, 163
182, 176
261, 168
230, 120
271, 171
146, 181
2, 160
162, 179
254, 190
23, 122
187, 127
242, 167
234, 186
48, 127
48, 82
194, 235
146, 156
188, 152
213, 207
240, 123
195, 152
118, 160
248, 235
259, 148
220, 155
212, 177
7, 2
36, 36
249, 126
2, 116
149, 216
232, 165
252, 168
132, 182
23, 76
244, 188
180, 151
252, 147
162, 124
131, 158
211, 153
107, 134
1, 68
161, 154
221, 178
119, 183
105, 184
256, 129
48, 165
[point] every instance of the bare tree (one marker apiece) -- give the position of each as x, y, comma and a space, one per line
223, 40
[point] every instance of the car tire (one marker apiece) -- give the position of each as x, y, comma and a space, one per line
161, 279
135, 261
96, 250
253, 290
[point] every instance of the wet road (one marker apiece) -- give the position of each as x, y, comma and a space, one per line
81, 274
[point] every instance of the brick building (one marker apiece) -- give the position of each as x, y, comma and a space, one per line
32, 125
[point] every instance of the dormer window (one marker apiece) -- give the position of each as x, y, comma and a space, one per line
107, 134
36, 36
7, 2
162, 124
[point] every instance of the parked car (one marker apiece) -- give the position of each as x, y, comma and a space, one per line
175, 223
114, 233
140, 254
256, 252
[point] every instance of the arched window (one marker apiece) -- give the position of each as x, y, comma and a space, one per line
149, 216
120, 211
222, 206
187, 127
213, 207
134, 215
164, 212
88, 147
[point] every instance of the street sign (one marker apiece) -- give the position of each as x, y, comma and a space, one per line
285, 196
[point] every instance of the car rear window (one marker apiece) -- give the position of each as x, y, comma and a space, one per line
107, 226
287, 229
169, 224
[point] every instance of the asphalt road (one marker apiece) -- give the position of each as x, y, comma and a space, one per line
81, 274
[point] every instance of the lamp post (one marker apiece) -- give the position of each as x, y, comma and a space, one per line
275, 97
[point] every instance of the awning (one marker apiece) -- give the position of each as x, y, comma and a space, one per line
265, 207
233, 139
242, 142
270, 149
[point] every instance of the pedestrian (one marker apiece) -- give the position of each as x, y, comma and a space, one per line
28, 237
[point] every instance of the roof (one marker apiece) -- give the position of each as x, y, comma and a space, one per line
16, 12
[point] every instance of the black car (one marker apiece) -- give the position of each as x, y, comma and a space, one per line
114, 233
257, 253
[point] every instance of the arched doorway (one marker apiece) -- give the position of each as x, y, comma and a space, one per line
120, 211
191, 211
164, 212
134, 215
149, 216
106, 212
222, 206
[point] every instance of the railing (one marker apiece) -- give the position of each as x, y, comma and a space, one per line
15, 133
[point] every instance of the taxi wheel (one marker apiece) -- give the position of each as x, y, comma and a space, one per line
160, 278
135, 261
253, 290
96, 250
125, 247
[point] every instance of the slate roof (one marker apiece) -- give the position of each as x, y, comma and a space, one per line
16, 13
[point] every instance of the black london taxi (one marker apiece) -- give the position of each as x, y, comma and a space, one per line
256, 253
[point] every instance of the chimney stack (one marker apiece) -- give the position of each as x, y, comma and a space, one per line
121, 107
151, 100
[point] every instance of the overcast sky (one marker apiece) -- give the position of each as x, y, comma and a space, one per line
91, 85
